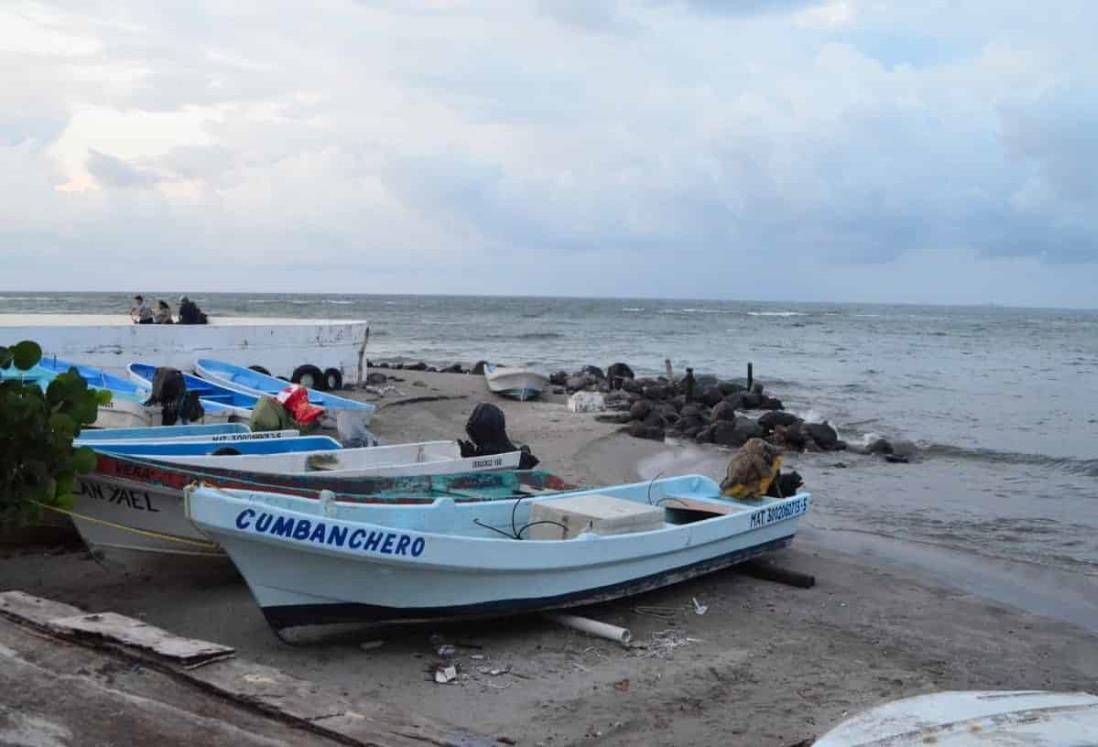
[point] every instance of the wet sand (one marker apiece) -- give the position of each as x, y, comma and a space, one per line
765, 665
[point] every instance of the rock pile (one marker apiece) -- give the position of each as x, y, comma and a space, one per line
706, 410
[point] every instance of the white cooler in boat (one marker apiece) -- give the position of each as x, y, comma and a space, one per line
600, 514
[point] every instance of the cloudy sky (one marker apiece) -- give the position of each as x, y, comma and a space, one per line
941, 151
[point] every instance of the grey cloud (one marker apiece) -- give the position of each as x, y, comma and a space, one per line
114, 172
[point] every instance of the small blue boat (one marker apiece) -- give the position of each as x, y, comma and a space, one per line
165, 432
209, 393
126, 408
168, 449
223, 432
241, 379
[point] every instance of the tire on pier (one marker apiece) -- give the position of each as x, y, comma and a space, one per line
333, 379
308, 375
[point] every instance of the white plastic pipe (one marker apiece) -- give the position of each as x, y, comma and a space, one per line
592, 627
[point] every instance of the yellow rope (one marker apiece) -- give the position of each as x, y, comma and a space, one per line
143, 532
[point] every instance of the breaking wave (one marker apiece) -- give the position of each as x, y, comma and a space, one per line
776, 313
1083, 467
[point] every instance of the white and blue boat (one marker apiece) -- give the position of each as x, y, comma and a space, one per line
180, 449
126, 408
405, 460
248, 381
311, 561
515, 382
239, 404
179, 434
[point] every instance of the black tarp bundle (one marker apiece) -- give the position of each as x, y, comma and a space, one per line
169, 390
487, 429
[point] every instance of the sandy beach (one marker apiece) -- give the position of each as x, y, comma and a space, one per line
765, 664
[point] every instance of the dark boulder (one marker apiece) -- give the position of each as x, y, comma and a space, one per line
723, 411
594, 371
704, 381
618, 400
771, 420
678, 401
478, 368
647, 382
730, 387
632, 385
398, 366
614, 417
640, 430
420, 366
618, 373
705, 435
710, 396
431, 369
750, 400
878, 446
757, 388
790, 437
654, 419
771, 403
735, 433
560, 378
693, 411
640, 409
376, 378
579, 381
823, 435
382, 364
453, 368
657, 391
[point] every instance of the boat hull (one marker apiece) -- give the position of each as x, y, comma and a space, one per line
284, 609
137, 505
515, 383
118, 514
308, 568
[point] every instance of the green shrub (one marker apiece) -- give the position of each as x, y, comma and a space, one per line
38, 464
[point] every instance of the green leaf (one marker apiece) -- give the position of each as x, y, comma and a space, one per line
5, 357
84, 460
26, 354
103, 396
65, 500
63, 424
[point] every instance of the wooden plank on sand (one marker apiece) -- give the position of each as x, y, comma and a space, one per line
127, 631
322, 710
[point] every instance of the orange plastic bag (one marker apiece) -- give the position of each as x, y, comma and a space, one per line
295, 398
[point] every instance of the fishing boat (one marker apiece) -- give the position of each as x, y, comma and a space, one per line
248, 381
427, 458
194, 432
515, 382
208, 449
127, 408
239, 404
219, 433
136, 504
310, 561
995, 717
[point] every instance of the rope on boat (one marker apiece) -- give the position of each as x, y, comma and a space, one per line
204, 544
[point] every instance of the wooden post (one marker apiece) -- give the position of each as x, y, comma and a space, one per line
750, 376
670, 371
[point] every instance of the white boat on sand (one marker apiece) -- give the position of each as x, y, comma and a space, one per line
515, 382
972, 718
311, 561
427, 458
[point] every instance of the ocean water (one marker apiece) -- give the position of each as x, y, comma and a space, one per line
1002, 402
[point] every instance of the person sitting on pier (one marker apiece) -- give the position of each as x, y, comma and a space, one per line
163, 312
189, 313
139, 312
